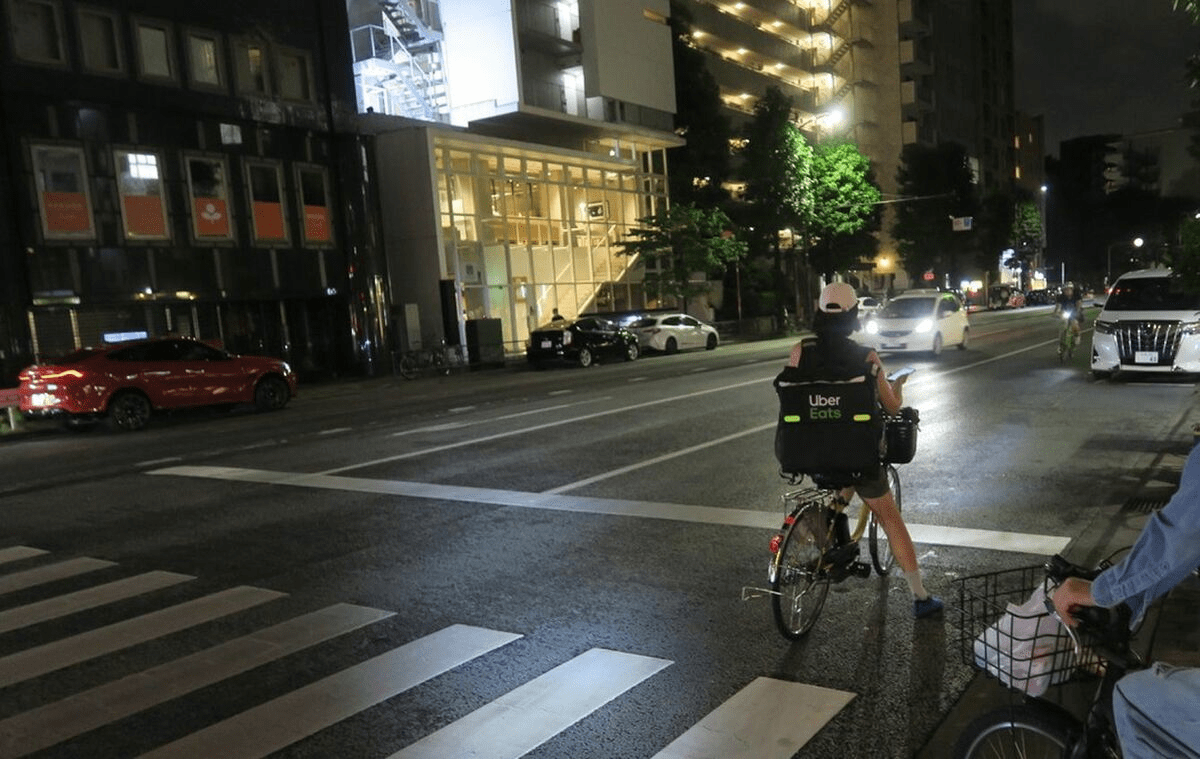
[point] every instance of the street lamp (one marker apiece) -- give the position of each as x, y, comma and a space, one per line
1137, 242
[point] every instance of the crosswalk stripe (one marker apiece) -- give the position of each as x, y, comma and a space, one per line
62, 720
50, 572
88, 598
280, 722
768, 719
525, 718
1042, 545
49, 657
16, 553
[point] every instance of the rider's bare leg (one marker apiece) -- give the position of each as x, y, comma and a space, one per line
884, 508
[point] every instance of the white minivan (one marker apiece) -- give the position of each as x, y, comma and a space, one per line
1148, 324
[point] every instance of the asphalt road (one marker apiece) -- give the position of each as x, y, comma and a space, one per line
513, 563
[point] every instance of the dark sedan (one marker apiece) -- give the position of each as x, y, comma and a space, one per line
582, 341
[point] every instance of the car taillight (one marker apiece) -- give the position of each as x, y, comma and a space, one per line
566, 338
776, 541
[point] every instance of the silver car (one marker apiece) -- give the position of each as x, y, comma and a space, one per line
673, 332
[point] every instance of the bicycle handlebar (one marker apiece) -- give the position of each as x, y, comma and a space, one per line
1108, 627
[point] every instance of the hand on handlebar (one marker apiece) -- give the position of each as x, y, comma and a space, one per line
1073, 593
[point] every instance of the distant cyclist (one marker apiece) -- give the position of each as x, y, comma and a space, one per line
1070, 301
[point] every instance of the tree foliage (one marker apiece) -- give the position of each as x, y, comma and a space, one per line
778, 163
845, 200
938, 186
683, 241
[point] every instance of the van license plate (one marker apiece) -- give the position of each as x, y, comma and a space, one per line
1145, 357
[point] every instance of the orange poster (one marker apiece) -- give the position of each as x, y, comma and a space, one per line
144, 216
268, 221
66, 212
211, 217
316, 224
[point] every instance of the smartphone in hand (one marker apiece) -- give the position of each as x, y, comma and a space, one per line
900, 373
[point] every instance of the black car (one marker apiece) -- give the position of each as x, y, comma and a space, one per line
582, 341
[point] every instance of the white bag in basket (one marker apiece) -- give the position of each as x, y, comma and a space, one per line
1025, 648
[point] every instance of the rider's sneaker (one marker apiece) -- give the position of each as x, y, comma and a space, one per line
927, 607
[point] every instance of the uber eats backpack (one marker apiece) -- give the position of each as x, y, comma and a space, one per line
830, 422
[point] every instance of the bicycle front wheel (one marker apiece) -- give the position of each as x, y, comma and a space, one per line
1022, 731
877, 541
409, 367
799, 585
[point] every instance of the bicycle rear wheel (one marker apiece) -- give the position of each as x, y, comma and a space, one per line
799, 583
877, 542
1022, 731
408, 366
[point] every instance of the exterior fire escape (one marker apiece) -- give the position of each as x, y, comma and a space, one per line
398, 65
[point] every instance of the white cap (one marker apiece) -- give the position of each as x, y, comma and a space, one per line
837, 298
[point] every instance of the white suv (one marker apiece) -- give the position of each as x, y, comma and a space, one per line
1148, 324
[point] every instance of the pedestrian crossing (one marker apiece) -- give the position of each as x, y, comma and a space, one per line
45, 709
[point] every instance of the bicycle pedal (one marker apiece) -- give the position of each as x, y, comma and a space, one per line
862, 569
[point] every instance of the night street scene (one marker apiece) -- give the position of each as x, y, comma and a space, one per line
599, 379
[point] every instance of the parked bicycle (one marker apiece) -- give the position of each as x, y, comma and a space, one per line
816, 547
1035, 654
413, 363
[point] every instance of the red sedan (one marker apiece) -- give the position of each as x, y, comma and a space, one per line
126, 382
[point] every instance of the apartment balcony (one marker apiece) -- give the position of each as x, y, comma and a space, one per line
915, 59
913, 99
914, 22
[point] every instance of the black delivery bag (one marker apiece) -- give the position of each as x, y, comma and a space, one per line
828, 426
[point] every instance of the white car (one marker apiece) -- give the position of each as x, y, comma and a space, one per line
673, 332
1148, 324
868, 304
918, 320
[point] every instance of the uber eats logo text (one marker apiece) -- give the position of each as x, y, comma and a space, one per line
825, 407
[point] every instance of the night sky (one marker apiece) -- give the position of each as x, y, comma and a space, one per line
1102, 66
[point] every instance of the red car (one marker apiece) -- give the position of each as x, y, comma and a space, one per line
125, 382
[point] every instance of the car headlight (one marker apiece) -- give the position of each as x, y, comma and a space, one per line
872, 327
1106, 328
1189, 328
925, 325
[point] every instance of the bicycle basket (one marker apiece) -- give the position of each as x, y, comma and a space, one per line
900, 437
1005, 630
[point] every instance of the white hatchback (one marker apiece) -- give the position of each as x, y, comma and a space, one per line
1148, 324
917, 320
673, 332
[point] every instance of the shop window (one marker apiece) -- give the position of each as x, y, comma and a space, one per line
37, 32
100, 41
140, 183
63, 197
206, 68
208, 192
266, 203
295, 81
153, 43
250, 65
314, 199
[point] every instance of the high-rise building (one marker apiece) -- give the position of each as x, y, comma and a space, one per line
895, 71
517, 144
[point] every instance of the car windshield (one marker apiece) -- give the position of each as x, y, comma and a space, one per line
907, 308
1151, 294
644, 322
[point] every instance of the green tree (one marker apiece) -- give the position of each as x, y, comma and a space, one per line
1026, 238
699, 168
939, 186
680, 242
845, 201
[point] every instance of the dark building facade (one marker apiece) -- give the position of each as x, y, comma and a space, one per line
186, 168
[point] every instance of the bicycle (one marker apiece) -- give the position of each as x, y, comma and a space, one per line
1068, 336
1096, 654
816, 548
414, 362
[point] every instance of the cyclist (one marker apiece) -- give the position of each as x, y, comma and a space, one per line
833, 323
1069, 301
1156, 710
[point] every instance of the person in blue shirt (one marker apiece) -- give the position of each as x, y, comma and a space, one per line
1156, 710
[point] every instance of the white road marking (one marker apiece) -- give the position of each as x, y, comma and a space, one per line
88, 598
159, 462
335, 430
16, 553
77, 714
768, 719
281, 722
528, 716
51, 572
770, 520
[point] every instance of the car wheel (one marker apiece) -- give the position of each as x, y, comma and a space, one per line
711, 343
936, 348
585, 357
963, 345
632, 351
271, 393
672, 346
128, 411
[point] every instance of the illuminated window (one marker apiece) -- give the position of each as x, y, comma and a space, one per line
37, 35
205, 67
100, 41
62, 192
294, 77
140, 185
251, 68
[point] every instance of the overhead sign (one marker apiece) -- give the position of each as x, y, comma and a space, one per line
962, 223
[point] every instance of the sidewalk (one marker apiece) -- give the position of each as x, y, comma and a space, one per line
1170, 632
